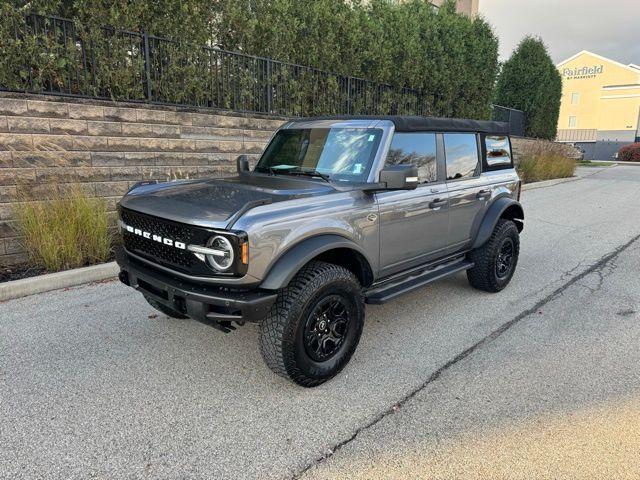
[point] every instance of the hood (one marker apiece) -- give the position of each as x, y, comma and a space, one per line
213, 202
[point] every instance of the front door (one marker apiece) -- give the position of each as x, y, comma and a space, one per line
414, 224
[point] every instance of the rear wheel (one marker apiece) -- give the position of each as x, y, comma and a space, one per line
164, 309
496, 260
314, 326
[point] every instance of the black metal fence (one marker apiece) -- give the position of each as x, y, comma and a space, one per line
133, 66
515, 118
54, 55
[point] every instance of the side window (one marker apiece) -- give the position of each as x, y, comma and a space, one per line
461, 152
498, 151
417, 149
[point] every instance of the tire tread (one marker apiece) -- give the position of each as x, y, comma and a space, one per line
481, 275
277, 328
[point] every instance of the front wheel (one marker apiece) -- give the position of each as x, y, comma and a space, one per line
314, 326
496, 260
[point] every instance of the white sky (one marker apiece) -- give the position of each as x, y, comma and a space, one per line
608, 27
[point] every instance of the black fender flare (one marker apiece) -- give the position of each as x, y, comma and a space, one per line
496, 211
282, 271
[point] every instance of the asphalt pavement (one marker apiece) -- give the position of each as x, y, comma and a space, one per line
554, 395
95, 383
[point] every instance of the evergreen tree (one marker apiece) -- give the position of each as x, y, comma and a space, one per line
529, 81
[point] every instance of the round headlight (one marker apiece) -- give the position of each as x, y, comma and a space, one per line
224, 259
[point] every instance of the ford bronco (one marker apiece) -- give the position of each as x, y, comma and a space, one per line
338, 212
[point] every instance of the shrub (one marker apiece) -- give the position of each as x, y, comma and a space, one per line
529, 147
66, 231
630, 153
529, 81
451, 59
545, 166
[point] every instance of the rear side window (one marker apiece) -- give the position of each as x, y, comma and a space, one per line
461, 152
417, 149
498, 151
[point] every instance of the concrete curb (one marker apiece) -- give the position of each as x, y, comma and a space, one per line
584, 172
548, 183
619, 162
55, 281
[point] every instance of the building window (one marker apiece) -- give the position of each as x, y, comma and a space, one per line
573, 121
575, 98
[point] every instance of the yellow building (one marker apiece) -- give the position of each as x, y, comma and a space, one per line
600, 109
468, 7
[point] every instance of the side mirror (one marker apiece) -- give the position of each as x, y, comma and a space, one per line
242, 164
399, 177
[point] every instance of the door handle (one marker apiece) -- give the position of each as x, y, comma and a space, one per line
482, 194
437, 203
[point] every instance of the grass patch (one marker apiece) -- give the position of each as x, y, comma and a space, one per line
590, 163
68, 230
545, 166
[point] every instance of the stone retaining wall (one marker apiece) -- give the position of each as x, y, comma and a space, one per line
48, 142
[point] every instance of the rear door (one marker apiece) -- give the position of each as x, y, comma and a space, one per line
469, 193
414, 224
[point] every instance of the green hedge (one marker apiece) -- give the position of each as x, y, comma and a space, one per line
449, 58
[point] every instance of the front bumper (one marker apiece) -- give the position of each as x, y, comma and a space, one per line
217, 306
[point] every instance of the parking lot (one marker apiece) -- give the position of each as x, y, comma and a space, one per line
447, 381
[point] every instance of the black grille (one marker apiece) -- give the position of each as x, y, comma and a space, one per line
166, 255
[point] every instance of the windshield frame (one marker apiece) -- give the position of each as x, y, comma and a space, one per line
375, 164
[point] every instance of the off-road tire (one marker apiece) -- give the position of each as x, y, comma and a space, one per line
483, 275
170, 312
282, 331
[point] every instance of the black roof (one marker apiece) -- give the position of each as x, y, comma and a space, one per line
408, 123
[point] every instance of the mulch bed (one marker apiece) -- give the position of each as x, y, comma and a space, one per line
17, 272
23, 270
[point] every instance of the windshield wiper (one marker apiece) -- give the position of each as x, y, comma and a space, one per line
269, 170
291, 170
309, 172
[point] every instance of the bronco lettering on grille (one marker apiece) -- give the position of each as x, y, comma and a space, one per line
156, 238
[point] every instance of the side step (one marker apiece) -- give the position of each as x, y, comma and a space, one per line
385, 293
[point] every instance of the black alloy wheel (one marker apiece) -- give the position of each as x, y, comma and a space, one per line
326, 328
504, 259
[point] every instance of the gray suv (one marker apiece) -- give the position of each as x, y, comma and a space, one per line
337, 212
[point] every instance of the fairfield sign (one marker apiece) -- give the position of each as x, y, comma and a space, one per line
582, 72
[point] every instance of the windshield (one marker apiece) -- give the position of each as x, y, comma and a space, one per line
341, 154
